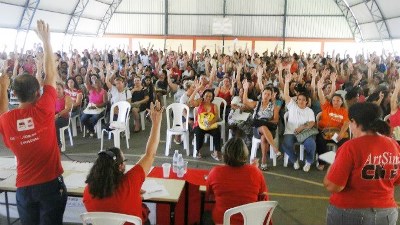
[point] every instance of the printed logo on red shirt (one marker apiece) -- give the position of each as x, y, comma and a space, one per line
25, 124
383, 166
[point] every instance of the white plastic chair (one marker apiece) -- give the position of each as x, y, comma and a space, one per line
119, 125
286, 157
74, 121
107, 218
220, 101
142, 119
178, 127
62, 134
255, 143
253, 213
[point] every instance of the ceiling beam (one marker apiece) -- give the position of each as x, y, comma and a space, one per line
26, 19
107, 17
351, 20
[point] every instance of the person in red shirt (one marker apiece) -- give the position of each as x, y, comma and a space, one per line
27, 130
366, 169
235, 183
108, 189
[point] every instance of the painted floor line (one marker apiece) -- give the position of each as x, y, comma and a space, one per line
298, 196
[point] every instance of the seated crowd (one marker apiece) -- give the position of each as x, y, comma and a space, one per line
316, 91
278, 93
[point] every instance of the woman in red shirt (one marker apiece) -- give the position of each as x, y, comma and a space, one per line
108, 189
225, 92
235, 183
364, 173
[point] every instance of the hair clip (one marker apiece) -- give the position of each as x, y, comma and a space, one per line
108, 153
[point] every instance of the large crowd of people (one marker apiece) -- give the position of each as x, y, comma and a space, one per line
279, 93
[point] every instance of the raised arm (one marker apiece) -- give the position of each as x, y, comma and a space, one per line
108, 76
246, 102
4, 84
286, 95
393, 99
333, 85
152, 143
50, 69
321, 96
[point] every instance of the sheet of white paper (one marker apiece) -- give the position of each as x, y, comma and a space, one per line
240, 116
328, 157
334, 137
75, 180
6, 173
153, 189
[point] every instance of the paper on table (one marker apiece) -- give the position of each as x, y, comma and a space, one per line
75, 180
153, 189
6, 173
328, 157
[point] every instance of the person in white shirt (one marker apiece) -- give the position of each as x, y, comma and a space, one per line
300, 117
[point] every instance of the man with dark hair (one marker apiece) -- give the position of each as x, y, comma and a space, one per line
30, 134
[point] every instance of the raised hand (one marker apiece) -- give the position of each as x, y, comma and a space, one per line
245, 85
288, 78
156, 112
333, 78
42, 31
4, 81
320, 83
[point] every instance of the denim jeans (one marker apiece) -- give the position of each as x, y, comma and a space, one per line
90, 120
309, 147
368, 216
42, 204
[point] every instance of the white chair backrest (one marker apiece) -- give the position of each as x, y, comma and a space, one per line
219, 101
124, 108
178, 110
107, 218
253, 213
386, 118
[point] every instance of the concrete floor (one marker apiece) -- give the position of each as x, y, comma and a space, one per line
301, 196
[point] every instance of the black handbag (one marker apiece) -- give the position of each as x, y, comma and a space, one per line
258, 122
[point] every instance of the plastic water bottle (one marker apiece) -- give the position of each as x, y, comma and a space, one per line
180, 170
175, 161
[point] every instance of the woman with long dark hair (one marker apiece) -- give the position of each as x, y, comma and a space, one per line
108, 189
366, 169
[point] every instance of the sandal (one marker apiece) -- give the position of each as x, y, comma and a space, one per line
264, 167
215, 156
199, 156
278, 155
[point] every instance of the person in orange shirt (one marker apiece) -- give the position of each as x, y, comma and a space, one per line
334, 119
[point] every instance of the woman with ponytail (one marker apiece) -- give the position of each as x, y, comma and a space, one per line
110, 189
364, 173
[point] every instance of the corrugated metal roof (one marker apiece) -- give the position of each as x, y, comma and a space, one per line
136, 24
311, 18
260, 7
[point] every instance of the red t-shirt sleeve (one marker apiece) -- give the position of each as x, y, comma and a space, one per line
341, 169
47, 102
136, 176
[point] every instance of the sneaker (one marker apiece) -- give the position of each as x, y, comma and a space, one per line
177, 142
91, 134
296, 165
215, 156
264, 167
306, 167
